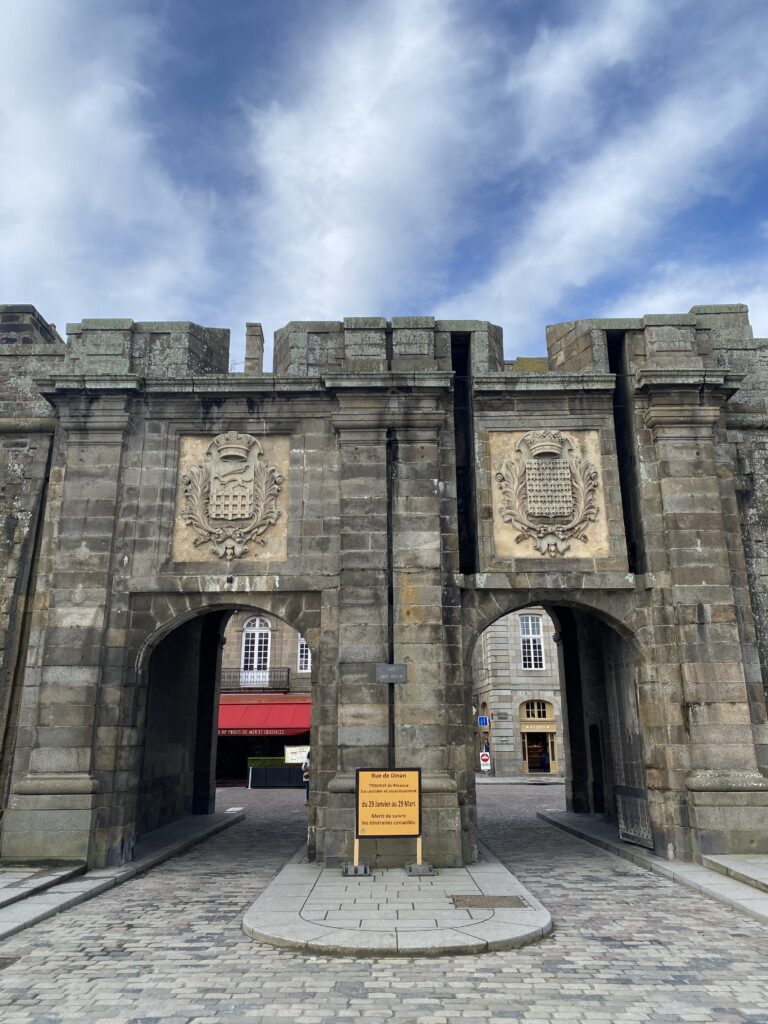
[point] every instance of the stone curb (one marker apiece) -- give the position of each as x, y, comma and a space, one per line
160, 846
737, 895
276, 916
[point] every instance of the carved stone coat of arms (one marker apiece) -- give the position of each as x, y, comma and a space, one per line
548, 491
231, 497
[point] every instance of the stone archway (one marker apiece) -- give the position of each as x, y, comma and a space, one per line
173, 654
601, 664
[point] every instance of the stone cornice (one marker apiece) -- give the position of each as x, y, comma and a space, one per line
677, 415
221, 584
411, 412
561, 382
238, 384
425, 379
558, 579
27, 424
655, 379
746, 420
52, 387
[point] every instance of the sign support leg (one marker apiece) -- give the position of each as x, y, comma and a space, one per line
418, 850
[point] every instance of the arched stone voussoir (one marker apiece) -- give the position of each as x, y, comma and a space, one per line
151, 623
480, 608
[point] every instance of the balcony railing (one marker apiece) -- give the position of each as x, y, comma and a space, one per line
235, 679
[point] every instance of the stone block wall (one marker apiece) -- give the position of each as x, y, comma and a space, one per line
683, 478
165, 350
743, 448
28, 347
390, 540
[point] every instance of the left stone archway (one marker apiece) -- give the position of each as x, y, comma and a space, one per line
165, 629
99, 812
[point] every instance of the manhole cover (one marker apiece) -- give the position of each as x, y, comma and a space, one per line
6, 961
487, 902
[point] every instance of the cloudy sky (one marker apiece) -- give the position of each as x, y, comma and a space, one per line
519, 161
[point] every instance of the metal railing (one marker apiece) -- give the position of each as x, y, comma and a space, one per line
235, 679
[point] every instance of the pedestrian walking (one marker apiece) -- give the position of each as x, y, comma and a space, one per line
305, 777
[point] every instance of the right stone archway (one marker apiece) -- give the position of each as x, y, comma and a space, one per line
599, 664
628, 734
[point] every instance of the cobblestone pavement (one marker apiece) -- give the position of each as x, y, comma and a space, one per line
167, 947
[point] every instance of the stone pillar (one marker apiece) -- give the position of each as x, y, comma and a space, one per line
254, 350
430, 726
362, 721
418, 627
57, 796
392, 606
362, 729
728, 797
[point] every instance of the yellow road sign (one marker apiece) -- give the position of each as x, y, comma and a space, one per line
388, 803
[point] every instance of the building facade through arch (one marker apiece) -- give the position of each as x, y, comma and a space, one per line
516, 677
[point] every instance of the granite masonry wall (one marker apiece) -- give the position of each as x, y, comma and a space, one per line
391, 490
28, 347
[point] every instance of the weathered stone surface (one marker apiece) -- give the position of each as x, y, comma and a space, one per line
390, 546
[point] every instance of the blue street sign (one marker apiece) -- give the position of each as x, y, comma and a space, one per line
482, 721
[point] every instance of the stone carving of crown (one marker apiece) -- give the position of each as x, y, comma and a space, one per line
545, 442
232, 445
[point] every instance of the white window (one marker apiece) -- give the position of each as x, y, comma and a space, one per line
257, 636
304, 658
530, 641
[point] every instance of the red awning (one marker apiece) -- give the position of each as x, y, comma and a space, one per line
241, 716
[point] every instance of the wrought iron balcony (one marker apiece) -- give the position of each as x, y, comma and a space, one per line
235, 679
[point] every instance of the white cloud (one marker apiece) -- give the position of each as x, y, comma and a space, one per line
600, 212
92, 224
675, 287
555, 80
361, 174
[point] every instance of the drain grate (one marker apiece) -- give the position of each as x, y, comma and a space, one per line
6, 961
487, 902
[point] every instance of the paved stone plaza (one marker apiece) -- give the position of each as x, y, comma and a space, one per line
168, 947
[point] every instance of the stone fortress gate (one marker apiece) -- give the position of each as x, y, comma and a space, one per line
389, 491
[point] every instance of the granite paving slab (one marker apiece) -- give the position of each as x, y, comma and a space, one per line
391, 913
738, 888
749, 868
19, 881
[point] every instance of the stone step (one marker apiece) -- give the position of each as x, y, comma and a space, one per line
18, 881
169, 841
752, 869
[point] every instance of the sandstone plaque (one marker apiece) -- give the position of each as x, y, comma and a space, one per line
231, 499
547, 498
